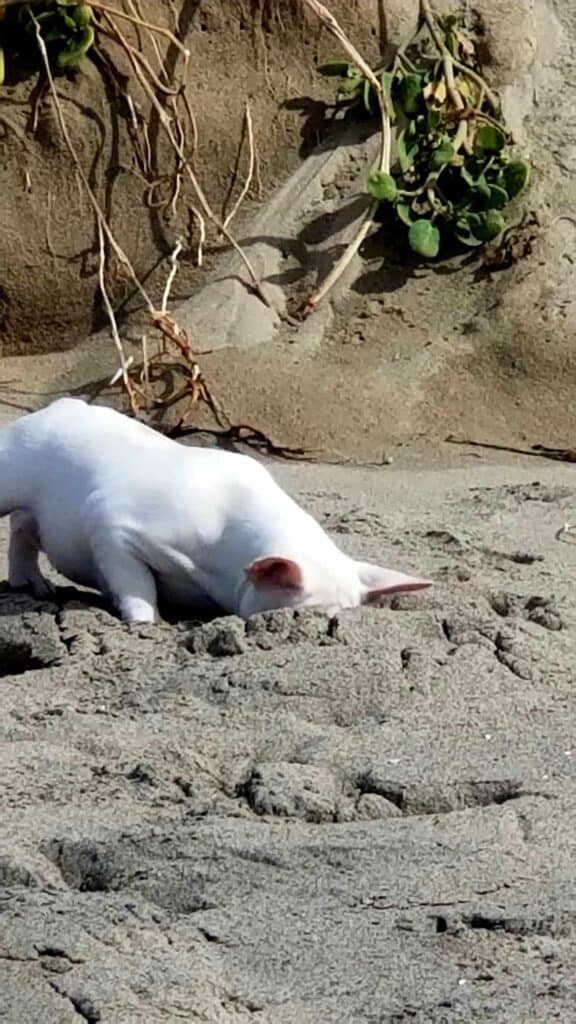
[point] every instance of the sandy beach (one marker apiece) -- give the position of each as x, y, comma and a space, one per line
301, 819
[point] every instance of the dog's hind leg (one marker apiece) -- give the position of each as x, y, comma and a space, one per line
23, 552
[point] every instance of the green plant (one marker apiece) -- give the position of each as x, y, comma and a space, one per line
454, 171
66, 27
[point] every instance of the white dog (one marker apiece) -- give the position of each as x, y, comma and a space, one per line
119, 507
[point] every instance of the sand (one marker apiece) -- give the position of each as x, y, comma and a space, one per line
301, 819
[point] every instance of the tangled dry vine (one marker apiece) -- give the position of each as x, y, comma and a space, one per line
174, 355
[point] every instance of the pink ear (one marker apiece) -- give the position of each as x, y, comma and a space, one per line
280, 573
381, 582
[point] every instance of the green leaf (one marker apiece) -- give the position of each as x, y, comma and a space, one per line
451, 42
468, 178
382, 186
514, 177
335, 69
351, 84
463, 228
498, 197
403, 211
366, 94
54, 35
479, 196
76, 48
349, 89
406, 151
442, 155
44, 16
433, 119
466, 220
466, 238
424, 238
449, 21
410, 94
490, 224
488, 139
82, 15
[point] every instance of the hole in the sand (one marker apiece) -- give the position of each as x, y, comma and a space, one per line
487, 922
420, 798
86, 865
17, 658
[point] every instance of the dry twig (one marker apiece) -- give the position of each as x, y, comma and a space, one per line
170, 279
165, 121
195, 386
250, 172
447, 59
328, 19
138, 381
537, 451
168, 90
124, 363
566, 531
95, 204
98, 6
157, 29
243, 433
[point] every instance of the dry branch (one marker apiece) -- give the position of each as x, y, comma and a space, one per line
447, 59
328, 19
157, 29
251, 162
97, 6
95, 204
170, 279
124, 362
165, 121
195, 386
139, 380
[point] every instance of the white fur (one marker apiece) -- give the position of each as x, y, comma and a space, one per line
118, 507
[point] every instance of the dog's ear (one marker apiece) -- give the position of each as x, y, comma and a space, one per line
278, 573
378, 582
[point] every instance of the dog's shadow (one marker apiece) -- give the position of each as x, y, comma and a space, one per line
20, 601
